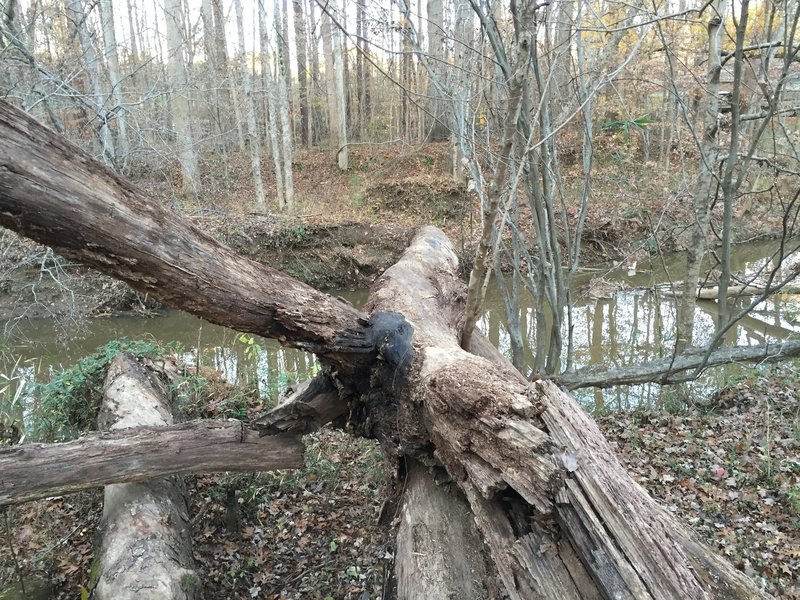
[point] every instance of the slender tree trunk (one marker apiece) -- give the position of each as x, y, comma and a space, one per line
362, 69
76, 12
315, 120
330, 80
134, 57
250, 108
179, 98
728, 187
334, 71
406, 122
283, 108
437, 106
272, 107
300, 36
123, 149
283, 58
705, 185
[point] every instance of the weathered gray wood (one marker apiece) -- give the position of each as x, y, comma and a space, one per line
32, 471
305, 408
146, 547
438, 545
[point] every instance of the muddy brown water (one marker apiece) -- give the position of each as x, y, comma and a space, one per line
621, 317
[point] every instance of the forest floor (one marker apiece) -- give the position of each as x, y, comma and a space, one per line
729, 468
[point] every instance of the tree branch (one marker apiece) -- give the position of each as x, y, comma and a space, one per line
54, 193
32, 471
668, 370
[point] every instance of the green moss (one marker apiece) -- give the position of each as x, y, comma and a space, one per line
190, 582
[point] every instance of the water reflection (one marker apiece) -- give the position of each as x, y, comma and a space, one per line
623, 320
619, 320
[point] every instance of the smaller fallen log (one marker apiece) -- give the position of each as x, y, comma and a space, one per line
146, 549
33, 471
712, 292
673, 370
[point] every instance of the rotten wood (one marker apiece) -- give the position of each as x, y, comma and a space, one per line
438, 545
146, 548
33, 471
560, 516
305, 407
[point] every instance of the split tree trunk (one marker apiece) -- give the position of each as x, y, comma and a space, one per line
146, 551
558, 514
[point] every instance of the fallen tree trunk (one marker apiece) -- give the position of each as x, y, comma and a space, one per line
734, 291
558, 514
86, 212
33, 471
673, 370
146, 549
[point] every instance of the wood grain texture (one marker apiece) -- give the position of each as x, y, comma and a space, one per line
560, 516
32, 471
145, 551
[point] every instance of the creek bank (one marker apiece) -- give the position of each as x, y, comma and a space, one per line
36, 283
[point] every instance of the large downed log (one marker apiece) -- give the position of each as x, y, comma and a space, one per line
146, 549
559, 515
558, 512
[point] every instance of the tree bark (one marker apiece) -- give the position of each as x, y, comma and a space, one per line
273, 133
91, 65
146, 549
302, 72
123, 149
342, 152
282, 80
559, 515
253, 139
34, 471
437, 105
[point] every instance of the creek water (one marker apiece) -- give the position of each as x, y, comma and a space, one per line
621, 317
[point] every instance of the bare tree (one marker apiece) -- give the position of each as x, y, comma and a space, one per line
91, 65
250, 106
179, 99
300, 41
118, 109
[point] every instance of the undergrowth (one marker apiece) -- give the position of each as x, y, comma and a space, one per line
67, 405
